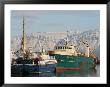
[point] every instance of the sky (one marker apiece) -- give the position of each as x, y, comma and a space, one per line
54, 20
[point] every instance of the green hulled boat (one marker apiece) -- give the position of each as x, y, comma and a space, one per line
66, 62
70, 58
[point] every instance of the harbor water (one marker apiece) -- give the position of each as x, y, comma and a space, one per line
67, 73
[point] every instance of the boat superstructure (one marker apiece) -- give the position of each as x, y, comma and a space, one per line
69, 57
46, 59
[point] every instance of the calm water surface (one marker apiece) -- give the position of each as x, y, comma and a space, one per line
68, 73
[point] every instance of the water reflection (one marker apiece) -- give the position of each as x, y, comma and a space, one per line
68, 73
77, 73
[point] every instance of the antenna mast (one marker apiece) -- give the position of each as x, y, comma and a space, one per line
23, 39
67, 37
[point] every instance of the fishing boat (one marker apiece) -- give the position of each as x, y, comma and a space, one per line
46, 59
69, 58
26, 63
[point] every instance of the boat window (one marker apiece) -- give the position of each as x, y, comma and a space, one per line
56, 47
63, 48
60, 47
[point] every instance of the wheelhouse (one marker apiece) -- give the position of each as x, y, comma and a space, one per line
62, 47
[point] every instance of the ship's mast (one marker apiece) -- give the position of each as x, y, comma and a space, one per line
23, 39
67, 37
88, 49
87, 53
